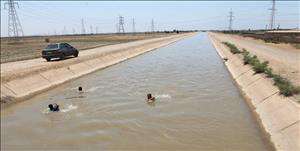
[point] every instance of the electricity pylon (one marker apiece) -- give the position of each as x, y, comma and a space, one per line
14, 24
230, 20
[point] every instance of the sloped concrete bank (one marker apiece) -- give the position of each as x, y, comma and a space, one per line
24, 81
279, 116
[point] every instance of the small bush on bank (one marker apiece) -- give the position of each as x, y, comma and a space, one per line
47, 40
247, 57
285, 87
269, 72
232, 47
259, 67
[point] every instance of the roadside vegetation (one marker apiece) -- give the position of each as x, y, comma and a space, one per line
285, 87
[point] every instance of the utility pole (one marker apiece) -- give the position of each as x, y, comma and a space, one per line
272, 17
152, 25
133, 25
82, 27
14, 24
121, 25
230, 19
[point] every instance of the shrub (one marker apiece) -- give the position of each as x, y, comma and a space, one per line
47, 40
260, 67
285, 86
232, 47
247, 57
269, 72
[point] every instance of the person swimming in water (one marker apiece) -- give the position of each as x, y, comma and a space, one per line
150, 98
80, 89
53, 107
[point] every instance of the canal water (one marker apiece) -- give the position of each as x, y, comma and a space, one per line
197, 107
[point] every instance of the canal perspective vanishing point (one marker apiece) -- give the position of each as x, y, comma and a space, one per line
150, 75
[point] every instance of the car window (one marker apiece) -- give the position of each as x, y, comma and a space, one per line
63, 45
68, 45
52, 46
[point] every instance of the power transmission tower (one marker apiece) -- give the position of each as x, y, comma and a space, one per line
91, 28
14, 25
82, 27
272, 17
152, 25
230, 19
73, 30
64, 32
133, 25
117, 27
121, 25
96, 29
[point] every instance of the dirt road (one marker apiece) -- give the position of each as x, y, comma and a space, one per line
30, 47
12, 70
284, 59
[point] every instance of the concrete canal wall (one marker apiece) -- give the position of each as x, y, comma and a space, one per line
279, 116
22, 80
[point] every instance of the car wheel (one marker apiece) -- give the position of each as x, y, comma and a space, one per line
48, 59
62, 56
76, 55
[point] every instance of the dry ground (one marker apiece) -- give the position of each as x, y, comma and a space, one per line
31, 47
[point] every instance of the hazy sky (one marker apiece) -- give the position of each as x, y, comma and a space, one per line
40, 18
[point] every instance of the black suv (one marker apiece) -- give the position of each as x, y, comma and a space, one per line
59, 50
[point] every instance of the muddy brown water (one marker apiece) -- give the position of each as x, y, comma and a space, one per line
197, 107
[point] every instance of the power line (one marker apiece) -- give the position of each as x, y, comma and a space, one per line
14, 24
272, 17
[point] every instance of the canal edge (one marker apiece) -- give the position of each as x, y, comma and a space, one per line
277, 116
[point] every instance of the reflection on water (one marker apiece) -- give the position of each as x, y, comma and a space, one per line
197, 107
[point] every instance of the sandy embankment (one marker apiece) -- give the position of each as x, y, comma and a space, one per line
279, 116
283, 58
23, 79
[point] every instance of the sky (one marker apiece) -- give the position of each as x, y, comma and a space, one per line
64, 17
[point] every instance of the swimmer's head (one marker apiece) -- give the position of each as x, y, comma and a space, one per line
53, 107
149, 96
50, 107
80, 89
